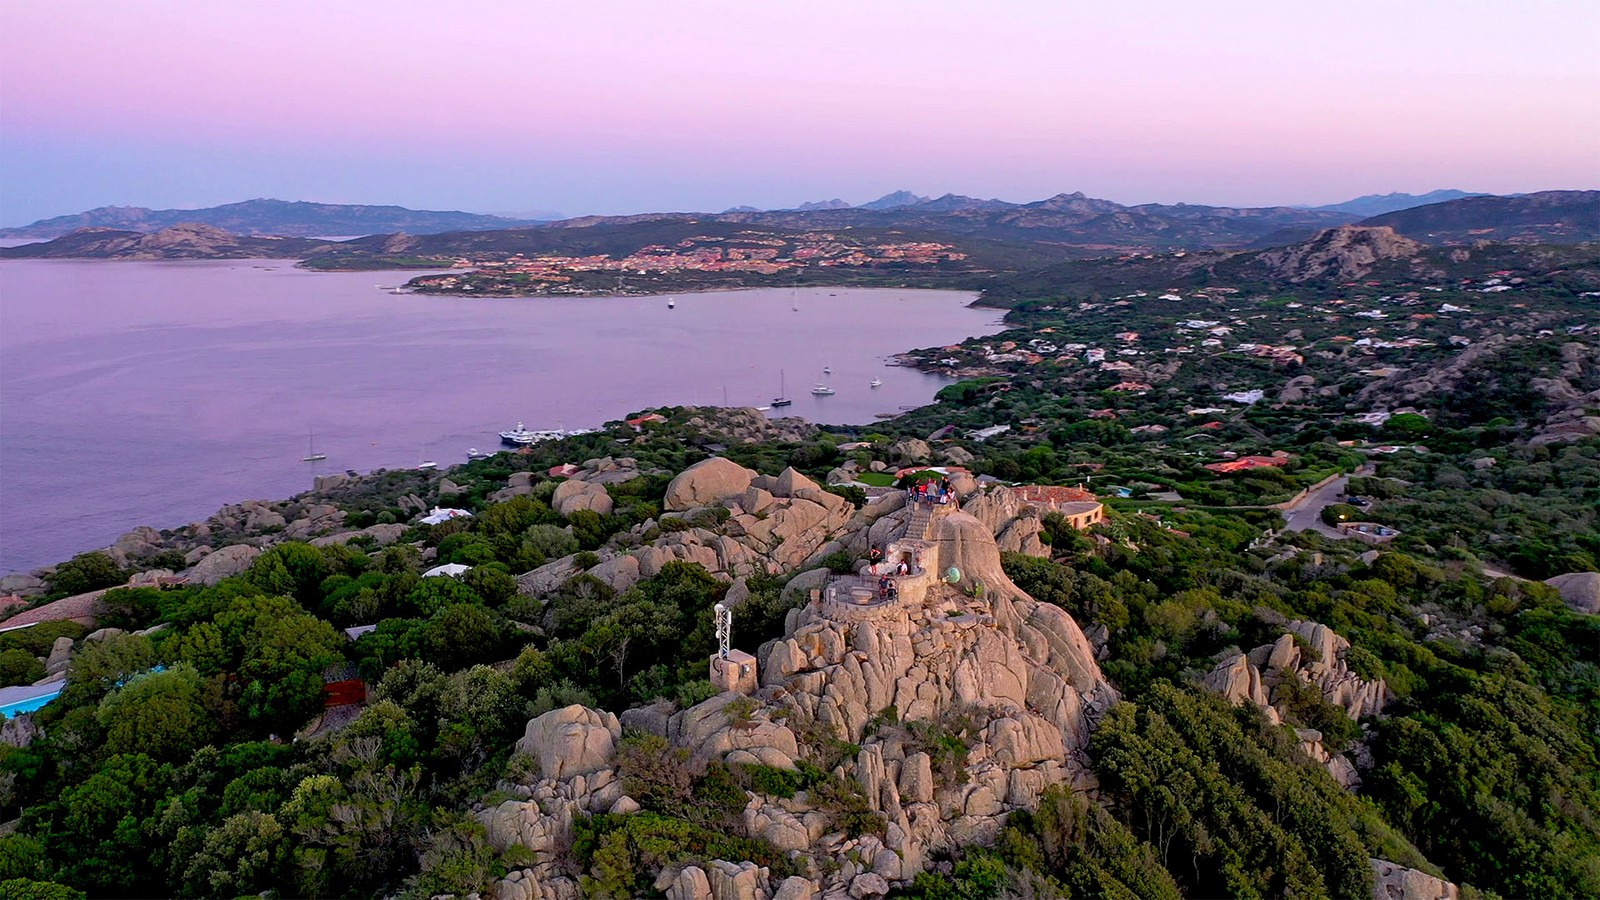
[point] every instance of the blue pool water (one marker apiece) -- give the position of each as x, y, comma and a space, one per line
11, 710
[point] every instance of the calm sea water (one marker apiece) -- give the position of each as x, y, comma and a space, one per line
152, 393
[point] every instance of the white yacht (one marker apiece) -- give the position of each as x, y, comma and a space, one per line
877, 382
822, 390
519, 436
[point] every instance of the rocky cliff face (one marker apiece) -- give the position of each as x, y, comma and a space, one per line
1349, 251
978, 662
1255, 676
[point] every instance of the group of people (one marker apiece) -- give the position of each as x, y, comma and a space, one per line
887, 589
933, 493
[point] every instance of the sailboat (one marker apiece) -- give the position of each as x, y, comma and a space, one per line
311, 448
794, 300
782, 399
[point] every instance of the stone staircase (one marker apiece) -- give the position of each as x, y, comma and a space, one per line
921, 519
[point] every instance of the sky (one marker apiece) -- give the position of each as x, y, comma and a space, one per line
609, 107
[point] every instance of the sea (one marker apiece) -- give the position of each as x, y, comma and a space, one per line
154, 393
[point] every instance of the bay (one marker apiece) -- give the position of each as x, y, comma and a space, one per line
136, 393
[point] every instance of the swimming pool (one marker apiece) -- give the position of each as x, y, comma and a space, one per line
19, 707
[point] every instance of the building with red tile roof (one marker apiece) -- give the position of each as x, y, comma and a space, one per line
1246, 463
1078, 506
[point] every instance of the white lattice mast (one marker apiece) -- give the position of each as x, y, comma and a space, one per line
724, 622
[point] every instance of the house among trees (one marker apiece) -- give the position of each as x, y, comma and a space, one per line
1078, 506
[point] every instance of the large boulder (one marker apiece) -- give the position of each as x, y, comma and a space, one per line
1579, 590
1396, 882
60, 656
571, 496
224, 563
707, 483
911, 450
22, 585
571, 741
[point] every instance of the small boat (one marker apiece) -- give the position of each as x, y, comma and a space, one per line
671, 303
822, 390
827, 370
474, 453
877, 382
311, 449
519, 436
782, 399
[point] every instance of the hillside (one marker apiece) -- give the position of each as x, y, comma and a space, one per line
1217, 611
268, 217
184, 241
1319, 265
1556, 217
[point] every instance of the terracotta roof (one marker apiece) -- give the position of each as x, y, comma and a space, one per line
82, 606
1051, 494
1244, 463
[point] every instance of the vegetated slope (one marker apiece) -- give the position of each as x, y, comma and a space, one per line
186, 241
1556, 217
1320, 264
621, 236
268, 217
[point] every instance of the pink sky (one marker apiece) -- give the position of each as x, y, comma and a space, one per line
622, 107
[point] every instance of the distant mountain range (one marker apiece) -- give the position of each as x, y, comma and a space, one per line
272, 217
1378, 204
1556, 217
996, 235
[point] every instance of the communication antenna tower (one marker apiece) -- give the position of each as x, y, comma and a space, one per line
724, 621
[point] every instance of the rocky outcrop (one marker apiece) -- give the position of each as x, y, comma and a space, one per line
911, 450
1020, 673
60, 656
1349, 251
1253, 678
608, 470
746, 425
1015, 523
224, 563
382, 535
571, 496
1396, 882
571, 741
707, 483
1579, 590
1015, 681
22, 585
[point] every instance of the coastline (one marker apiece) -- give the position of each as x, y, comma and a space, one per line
466, 371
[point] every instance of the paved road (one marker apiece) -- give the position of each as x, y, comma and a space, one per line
1306, 513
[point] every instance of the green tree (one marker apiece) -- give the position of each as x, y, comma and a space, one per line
282, 669
86, 572
18, 666
162, 714
245, 855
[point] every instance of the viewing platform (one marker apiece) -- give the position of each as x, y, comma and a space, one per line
902, 578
